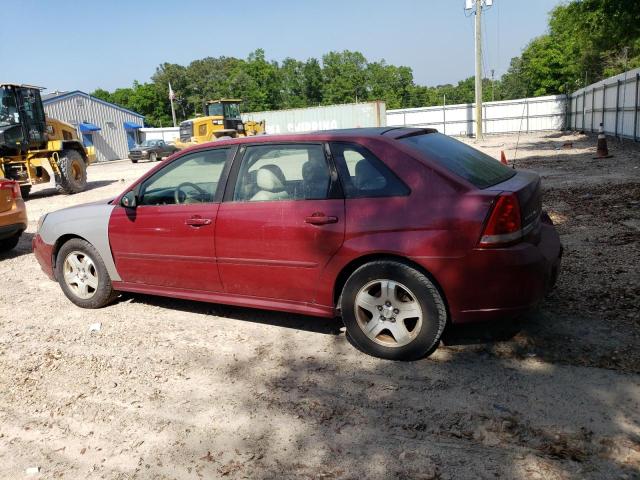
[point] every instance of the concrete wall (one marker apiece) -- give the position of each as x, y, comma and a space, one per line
525, 114
614, 102
111, 141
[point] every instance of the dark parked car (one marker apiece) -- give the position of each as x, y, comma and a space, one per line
151, 150
398, 230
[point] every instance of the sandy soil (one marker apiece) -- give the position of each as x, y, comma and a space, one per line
175, 389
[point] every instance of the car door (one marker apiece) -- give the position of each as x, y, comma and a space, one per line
168, 239
163, 150
281, 222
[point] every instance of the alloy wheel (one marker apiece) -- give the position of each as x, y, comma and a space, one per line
80, 274
388, 313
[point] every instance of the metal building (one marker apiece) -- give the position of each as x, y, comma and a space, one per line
111, 129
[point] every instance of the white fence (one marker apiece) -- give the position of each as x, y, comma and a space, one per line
612, 102
524, 114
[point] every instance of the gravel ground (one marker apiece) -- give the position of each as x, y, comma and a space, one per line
185, 390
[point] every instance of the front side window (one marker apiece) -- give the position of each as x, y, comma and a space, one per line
283, 172
193, 178
363, 174
8, 108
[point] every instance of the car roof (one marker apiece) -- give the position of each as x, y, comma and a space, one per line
322, 136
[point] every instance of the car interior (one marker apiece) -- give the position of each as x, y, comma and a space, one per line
193, 179
262, 176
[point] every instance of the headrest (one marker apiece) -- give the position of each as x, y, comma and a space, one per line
270, 178
313, 169
367, 177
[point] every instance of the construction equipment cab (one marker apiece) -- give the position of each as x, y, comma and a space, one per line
35, 149
221, 120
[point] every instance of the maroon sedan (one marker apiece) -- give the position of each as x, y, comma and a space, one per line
397, 230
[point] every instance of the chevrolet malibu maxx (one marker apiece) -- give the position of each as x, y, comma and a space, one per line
400, 231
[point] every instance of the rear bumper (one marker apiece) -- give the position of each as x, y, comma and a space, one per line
8, 231
501, 283
44, 254
14, 220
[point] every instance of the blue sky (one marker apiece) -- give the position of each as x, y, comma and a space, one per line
110, 44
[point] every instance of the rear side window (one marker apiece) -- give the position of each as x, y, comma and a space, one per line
283, 172
363, 174
474, 166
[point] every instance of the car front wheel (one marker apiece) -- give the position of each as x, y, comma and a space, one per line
83, 276
393, 311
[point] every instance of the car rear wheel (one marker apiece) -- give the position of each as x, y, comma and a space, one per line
82, 275
392, 310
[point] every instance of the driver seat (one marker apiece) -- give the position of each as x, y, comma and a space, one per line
271, 184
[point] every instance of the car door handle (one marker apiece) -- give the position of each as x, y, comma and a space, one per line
198, 221
320, 219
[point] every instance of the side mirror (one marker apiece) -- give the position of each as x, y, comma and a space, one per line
129, 200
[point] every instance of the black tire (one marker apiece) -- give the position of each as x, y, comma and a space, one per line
7, 244
73, 169
153, 156
25, 191
424, 334
104, 293
134, 161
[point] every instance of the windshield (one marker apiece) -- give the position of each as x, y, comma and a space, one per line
214, 109
474, 166
147, 143
8, 109
232, 110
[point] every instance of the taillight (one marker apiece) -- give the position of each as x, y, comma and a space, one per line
504, 224
13, 186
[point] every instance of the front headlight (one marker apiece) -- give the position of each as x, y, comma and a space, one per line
41, 221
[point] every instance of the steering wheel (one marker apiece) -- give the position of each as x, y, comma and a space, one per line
181, 196
6, 117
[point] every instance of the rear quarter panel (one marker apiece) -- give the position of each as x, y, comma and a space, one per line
439, 221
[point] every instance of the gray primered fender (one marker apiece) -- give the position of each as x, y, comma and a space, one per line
89, 221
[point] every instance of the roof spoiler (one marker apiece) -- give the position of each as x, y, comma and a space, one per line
412, 132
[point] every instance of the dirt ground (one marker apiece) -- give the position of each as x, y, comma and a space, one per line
170, 389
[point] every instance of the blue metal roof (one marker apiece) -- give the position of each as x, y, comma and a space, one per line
131, 126
46, 100
86, 127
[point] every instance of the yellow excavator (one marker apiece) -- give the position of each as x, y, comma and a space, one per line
221, 120
35, 149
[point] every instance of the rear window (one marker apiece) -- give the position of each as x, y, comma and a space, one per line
474, 166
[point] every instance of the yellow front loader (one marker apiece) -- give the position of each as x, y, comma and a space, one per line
221, 120
35, 149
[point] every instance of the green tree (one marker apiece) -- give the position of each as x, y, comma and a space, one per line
588, 40
313, 82
345, 77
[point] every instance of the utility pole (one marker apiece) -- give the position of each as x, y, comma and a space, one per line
493, 84
172, 97
478, 70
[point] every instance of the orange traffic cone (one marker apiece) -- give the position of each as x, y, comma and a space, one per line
603, 150
503, 158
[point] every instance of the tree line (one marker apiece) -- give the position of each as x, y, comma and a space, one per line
587, 40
